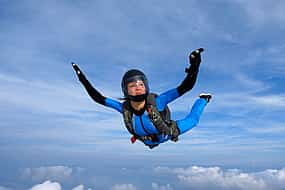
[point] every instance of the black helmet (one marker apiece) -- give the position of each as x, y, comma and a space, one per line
131, 76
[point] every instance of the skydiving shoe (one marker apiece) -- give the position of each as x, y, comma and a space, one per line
206, 96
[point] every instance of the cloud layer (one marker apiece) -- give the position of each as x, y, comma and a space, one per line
201, 178
166, 178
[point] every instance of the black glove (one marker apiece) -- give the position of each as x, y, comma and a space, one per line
76, 68
195, 57
194, 60
79, 73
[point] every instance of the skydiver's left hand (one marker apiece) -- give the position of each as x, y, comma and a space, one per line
195, 57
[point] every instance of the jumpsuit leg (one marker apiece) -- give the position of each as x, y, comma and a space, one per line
192, 119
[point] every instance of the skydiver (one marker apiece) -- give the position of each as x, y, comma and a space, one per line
146, 115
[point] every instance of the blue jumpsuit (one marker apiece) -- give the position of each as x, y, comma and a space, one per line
143, 126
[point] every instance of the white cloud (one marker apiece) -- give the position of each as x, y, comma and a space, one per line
48, 185
123, 187
201, 178
251, 84
155, 186
215, 177
44, 173
268, 60
79, 187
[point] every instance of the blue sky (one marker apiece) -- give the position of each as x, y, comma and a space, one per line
53, 136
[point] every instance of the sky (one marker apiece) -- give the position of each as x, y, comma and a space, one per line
54, 137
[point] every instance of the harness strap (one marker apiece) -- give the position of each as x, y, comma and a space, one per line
156, 116
161, 121
128, 115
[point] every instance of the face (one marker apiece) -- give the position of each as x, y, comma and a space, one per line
136, 88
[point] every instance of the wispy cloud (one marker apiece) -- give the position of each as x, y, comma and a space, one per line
271, 129
270, 100
41, 96
52, 172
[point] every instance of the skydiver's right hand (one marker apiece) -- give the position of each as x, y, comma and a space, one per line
76, 68
79, 73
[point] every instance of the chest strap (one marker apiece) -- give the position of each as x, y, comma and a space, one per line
161, 120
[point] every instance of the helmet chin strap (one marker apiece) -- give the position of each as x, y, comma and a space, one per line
138, 98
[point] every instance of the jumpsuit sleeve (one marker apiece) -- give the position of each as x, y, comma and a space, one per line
186, 85
189, 81
97, 96
165, 98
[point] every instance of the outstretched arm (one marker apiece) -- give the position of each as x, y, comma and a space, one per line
192, 72
93, 93
186, 85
